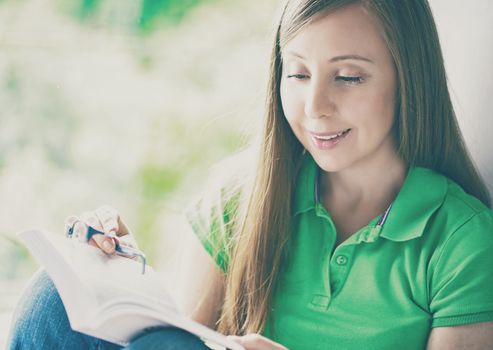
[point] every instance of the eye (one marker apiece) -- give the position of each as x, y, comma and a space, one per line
297, 76
350, 80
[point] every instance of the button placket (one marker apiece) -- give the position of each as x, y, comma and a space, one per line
341, 260
339, 267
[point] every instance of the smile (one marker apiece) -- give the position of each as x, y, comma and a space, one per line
330, 137
325, 141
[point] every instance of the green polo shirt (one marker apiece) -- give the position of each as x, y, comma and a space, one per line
428, 264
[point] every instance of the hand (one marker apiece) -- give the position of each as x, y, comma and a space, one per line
256, 342
107, 220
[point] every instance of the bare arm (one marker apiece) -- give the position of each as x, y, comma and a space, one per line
477, 336
198, 283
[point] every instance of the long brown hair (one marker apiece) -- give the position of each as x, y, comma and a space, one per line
426, 133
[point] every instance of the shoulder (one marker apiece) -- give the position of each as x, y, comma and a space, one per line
459, 238
462, 209
462, 227
438, 209
432, 206
446, 200
458, 199
232, 174
216, 211
225, 182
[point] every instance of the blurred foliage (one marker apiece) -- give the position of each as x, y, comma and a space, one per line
92, 115
159, 183
20, 95
172, 10
151, 14
88, 7
18, 262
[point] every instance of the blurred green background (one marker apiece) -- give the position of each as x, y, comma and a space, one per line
120, 102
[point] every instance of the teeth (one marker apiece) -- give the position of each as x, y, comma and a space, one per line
328, 137
331, 137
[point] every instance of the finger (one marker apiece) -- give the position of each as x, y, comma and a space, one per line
105, 243
108, 216
263, 342
69, 224
112, 221
235, 338
127, 240
90, 219
240, 340
123, 229
79, 230
257, 342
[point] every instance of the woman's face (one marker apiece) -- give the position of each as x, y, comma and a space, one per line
338, 89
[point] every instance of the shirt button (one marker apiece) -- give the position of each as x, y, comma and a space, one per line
341, 260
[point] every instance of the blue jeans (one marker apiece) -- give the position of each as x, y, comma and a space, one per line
40, 322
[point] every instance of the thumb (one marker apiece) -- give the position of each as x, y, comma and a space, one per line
105, 243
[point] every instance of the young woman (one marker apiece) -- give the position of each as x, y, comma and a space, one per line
366, 225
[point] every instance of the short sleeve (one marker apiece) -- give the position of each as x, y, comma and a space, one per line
462, 280
213, 218
216, 214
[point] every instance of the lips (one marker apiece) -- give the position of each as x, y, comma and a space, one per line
328, 140
330, 135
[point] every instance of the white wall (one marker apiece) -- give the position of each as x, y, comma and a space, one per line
466, 35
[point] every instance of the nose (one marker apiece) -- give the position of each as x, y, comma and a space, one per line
318, 102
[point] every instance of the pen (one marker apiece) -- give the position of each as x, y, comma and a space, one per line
120, 249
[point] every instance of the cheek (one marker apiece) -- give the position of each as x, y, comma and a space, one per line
386, 109
291, 104
386, 101
375, 111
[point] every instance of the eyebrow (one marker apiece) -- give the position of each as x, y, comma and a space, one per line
337, 58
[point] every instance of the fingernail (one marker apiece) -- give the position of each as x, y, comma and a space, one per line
107, 245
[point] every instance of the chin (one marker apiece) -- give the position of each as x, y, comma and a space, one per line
330, 165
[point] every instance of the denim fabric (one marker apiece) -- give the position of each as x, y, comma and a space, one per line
40, 322
167, 339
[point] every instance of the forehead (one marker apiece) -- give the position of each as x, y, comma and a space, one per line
348, 30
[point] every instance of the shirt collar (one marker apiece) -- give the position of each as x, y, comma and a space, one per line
421, 194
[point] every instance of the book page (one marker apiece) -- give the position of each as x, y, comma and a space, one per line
107, 296
110, 277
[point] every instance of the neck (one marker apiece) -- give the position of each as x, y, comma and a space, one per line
372, 184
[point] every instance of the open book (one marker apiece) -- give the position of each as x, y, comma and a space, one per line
108, 297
